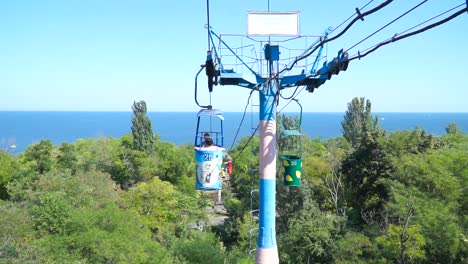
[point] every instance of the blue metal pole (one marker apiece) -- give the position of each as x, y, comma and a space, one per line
267, 250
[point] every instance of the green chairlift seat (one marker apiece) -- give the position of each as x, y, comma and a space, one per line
291, 154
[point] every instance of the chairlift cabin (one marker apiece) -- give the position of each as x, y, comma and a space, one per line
209, 151
290, 153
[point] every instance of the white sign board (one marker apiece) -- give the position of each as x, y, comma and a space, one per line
273, 23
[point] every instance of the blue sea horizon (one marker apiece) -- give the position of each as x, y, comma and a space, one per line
22, 128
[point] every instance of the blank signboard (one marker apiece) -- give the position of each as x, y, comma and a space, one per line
273, 23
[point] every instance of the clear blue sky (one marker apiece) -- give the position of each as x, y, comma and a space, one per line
101, 55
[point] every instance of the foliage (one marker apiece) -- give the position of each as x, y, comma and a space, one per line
411, 142
434, 182
365, 170
311, 236
83, 189
52, 213
143, 138
127, 165
67, 158
102, 236
453, 128
201, 248
39, 156
8, 166
402, 244
163, 209
353, 247
15, 232
366, 197
358, 122
245, 179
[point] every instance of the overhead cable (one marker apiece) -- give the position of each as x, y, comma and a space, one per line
294, 98
420, 24
388, 24
432, 18
359, 17
208, 22
242, 120
248, 141
346, 20
287, 98
398, 37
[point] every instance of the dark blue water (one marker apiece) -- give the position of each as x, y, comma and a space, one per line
24, 128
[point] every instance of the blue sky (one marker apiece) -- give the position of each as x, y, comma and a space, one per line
101, 55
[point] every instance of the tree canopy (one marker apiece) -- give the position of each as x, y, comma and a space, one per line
370, 196
142, 131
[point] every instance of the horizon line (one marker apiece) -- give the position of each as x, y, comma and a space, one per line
195, 111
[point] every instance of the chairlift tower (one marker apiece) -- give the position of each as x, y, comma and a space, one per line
269, 82
268, 89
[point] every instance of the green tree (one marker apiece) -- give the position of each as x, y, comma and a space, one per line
102, 235
52, 213
81, 189
237, 193
15, 233
96, 154
67, 157
163, 209
435, 179
8, 167
411, 142
353, 247
403, 244
453, 128
365, 171
40, 156
143, 137
172, 162
358, 122
368, 165
311, 236
202, 248
245, 167
127, 165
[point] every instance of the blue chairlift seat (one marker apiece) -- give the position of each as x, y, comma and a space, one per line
209, 159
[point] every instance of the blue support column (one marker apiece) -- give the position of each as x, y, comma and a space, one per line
267, 250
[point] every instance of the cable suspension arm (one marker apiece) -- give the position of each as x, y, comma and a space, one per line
313, 69
397, 38
237, 56
214, 49
313, 45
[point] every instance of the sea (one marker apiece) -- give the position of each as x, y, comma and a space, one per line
19, 129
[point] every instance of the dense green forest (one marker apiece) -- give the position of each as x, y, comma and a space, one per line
370, 196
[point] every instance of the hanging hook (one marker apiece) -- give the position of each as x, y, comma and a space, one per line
196, 89
300, 116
